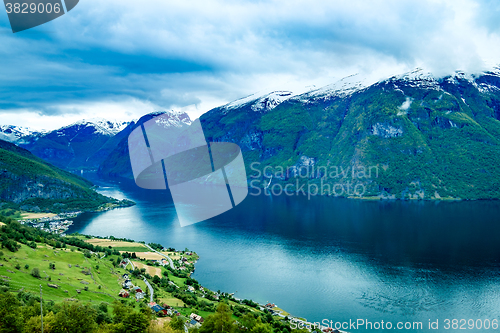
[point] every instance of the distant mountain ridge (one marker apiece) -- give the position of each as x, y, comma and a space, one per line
76, 146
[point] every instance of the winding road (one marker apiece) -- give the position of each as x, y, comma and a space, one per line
164, 255
151, 291
131, 264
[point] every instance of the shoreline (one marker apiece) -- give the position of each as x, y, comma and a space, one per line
180, 259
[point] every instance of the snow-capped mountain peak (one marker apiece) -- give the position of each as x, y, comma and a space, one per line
174, 118
418, 78
342, 88
17, 134
260, 103
102, 126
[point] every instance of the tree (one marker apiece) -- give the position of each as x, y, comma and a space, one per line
177, 324
34, 325
261, 328
10, 245
135, 322
248, 321
103, 307
35, 272
220, 321
10, 314
119, 312
75, 318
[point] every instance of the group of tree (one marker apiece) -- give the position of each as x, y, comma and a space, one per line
21, 313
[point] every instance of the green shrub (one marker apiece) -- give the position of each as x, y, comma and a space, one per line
35, 272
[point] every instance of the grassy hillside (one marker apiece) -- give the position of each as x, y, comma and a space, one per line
29, 182
81, 281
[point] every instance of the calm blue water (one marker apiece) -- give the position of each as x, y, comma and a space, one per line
331, 258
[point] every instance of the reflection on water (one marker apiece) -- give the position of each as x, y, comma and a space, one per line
331, 258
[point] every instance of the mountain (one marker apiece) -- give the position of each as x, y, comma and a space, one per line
17, 134
117, 162
412, 136
30, 183
81, 145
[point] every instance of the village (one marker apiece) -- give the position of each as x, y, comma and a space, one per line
53, 223
129, 290
143, 262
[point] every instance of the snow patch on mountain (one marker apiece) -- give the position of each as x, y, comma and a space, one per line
418, 78
173, 119
100, 125
260, 103
342, 88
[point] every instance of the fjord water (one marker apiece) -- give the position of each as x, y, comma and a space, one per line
331, 258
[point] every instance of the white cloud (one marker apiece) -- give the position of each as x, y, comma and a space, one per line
197, 54
69, 113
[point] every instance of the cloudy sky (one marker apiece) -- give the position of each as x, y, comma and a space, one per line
120, 59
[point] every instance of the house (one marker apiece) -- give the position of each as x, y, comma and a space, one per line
191, 288
196, 317
139, 296
158, 309
125, 276
269, 305
193, 323
137, 289
127, 284
123, 293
